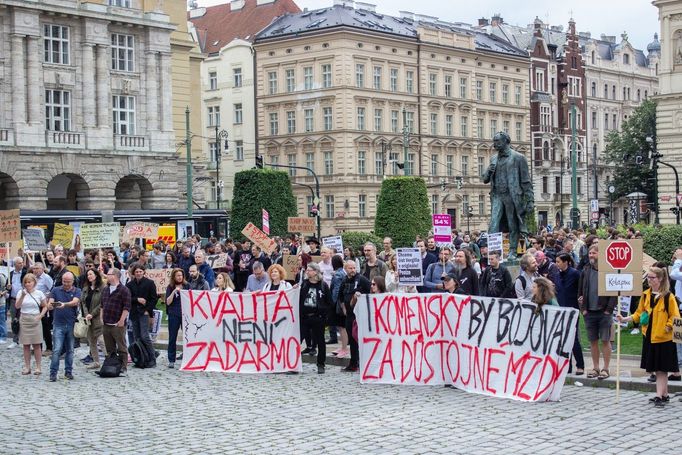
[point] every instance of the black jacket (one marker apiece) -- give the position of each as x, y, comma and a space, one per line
468, 281
146, 289
323, 299
495, 283
352, 285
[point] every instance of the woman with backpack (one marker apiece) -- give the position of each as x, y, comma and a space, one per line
174, 311
655, 313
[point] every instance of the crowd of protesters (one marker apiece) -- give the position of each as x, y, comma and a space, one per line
45, 293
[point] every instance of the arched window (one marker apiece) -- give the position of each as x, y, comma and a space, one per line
545, 151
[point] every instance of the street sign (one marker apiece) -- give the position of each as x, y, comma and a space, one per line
619, 255
594, 209
266, 222
620, 267
442, 230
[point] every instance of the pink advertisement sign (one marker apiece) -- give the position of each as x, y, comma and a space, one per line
442, 231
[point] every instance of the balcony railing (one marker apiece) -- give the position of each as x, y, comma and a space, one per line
129, 142
65, 139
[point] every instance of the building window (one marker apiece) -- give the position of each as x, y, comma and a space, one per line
291, 161
409, 81
237, 76
239, 150
327, 114
291, 122
519, 131
379, 163
517, 95
213, 80
409, 121
545, 150
592, 57
539, 79
378, 120
434, 165
463, 83
480, 165
377, 78
545, 184
274, 124
493, 92
361, 118
479, 90
480, 127
308, 119
613, 92
574, 86
290, 80
409, 166
493, 128
594, 89
122, 52
434, 203
448, 125
594, 120
360, 75
464, 126
606, 91
433, 80
56, 43
274, 159
639, 95
329, 205
580, 185
326, 75
557, 185
626, 59
213, 152
238, 114
120, 3
362, 156
615, 121
394, 79
393, 158
214, 116
124, 114
58, 110
310, 161
308, 78
272, 82
545, 115
606, 121
328, 163
434, 124
449, 165
447, 87
505, 126
394, 121
362, 205
481, 204
465, 165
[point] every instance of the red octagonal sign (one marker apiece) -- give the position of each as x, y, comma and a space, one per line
619, 255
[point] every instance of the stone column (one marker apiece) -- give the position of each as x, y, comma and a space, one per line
166, 93
103, 86
88, 85
35, 107
152, 92
18, 80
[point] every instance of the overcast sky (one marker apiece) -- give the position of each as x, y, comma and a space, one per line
639, 18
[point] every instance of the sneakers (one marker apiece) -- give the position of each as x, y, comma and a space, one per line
53, 378
343, 354
69, 376
634, 331
12, 345
87, 359
673, 377
320, 369
660, 402
306, 351
350, 369
92, 366
47, 353
171, 364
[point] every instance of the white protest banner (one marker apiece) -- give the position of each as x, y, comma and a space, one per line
241, 332
160, 277
496, 243
409, 267
677, 330
496, 347
141, 230
10, 226
34, 239
334, 243
99, 235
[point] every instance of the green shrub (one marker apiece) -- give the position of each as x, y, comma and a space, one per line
659, 241
355, 240
403, 211
258, 189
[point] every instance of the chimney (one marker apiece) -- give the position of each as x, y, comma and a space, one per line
366, 6
406, 15
236, 5
348, 3
425, 18
483, 22
198, 12
497, 20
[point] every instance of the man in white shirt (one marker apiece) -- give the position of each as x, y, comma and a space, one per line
676, 274
44, 284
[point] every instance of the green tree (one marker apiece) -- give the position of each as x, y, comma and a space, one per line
403, 210
258, 189
628, 151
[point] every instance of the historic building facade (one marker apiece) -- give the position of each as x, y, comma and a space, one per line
85, 106
356, 95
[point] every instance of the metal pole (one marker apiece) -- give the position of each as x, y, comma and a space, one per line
594, 161
561, 190
575, 218
406, 140
677, 190
217, 169
188, 143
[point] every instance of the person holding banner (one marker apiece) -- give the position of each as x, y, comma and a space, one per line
174, 311
315, 301
354, 286
278, 277
656, 310
392, 281
32, 306
223, 283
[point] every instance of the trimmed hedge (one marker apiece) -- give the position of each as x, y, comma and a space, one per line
660, 242
403, 211
355, 240
257, 189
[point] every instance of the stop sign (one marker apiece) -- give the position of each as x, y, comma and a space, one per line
619, 255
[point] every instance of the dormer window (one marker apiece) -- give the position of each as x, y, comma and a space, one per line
626, 59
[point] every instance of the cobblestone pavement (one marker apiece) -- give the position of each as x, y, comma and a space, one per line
167, 411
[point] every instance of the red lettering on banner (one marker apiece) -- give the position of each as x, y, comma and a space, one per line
376, 342
213, 348
190, 364
244, 360
490, 369
229, 348
470, 348
555, 373
283, 305
387, 359
194, 303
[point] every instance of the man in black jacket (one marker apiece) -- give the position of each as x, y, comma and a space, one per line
143, 299
495, 280
354, 286
466, 275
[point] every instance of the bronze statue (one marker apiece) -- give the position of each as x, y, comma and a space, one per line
511, 192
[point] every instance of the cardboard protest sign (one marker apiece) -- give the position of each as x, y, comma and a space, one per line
34, 240
74, 269
241, 332
409, 267
677, 330
496, 244
301, 225
290, 264
160, 277
259, 238
99, 235
442, 228
62, 235
620, 267
10, 226
491, 346
334, 243
10, 249
141, 230
217, 261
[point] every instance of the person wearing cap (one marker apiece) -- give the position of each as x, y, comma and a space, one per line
451, 284
548, 269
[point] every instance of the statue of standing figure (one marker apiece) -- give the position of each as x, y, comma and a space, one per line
511, 191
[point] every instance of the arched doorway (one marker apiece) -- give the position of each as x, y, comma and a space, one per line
133, 192
9, 192
68, 192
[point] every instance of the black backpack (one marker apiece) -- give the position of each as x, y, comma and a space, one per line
140, 356
111, 368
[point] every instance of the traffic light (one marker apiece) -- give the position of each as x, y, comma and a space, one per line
470, 210
459, 183
313, 211
259, 161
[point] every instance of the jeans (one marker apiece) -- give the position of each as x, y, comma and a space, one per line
174, 323
352, 342
140, 323
3, 321
62, 342
315, 325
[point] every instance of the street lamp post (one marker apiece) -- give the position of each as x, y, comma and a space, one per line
218, 156
654, 160
406, 140
188, 144
575, 214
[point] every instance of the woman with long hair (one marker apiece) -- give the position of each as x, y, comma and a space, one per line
223, 283
337, 317
91, 307
278, 277
170, 262
543, 293
174, 311
33, 306
392, 283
